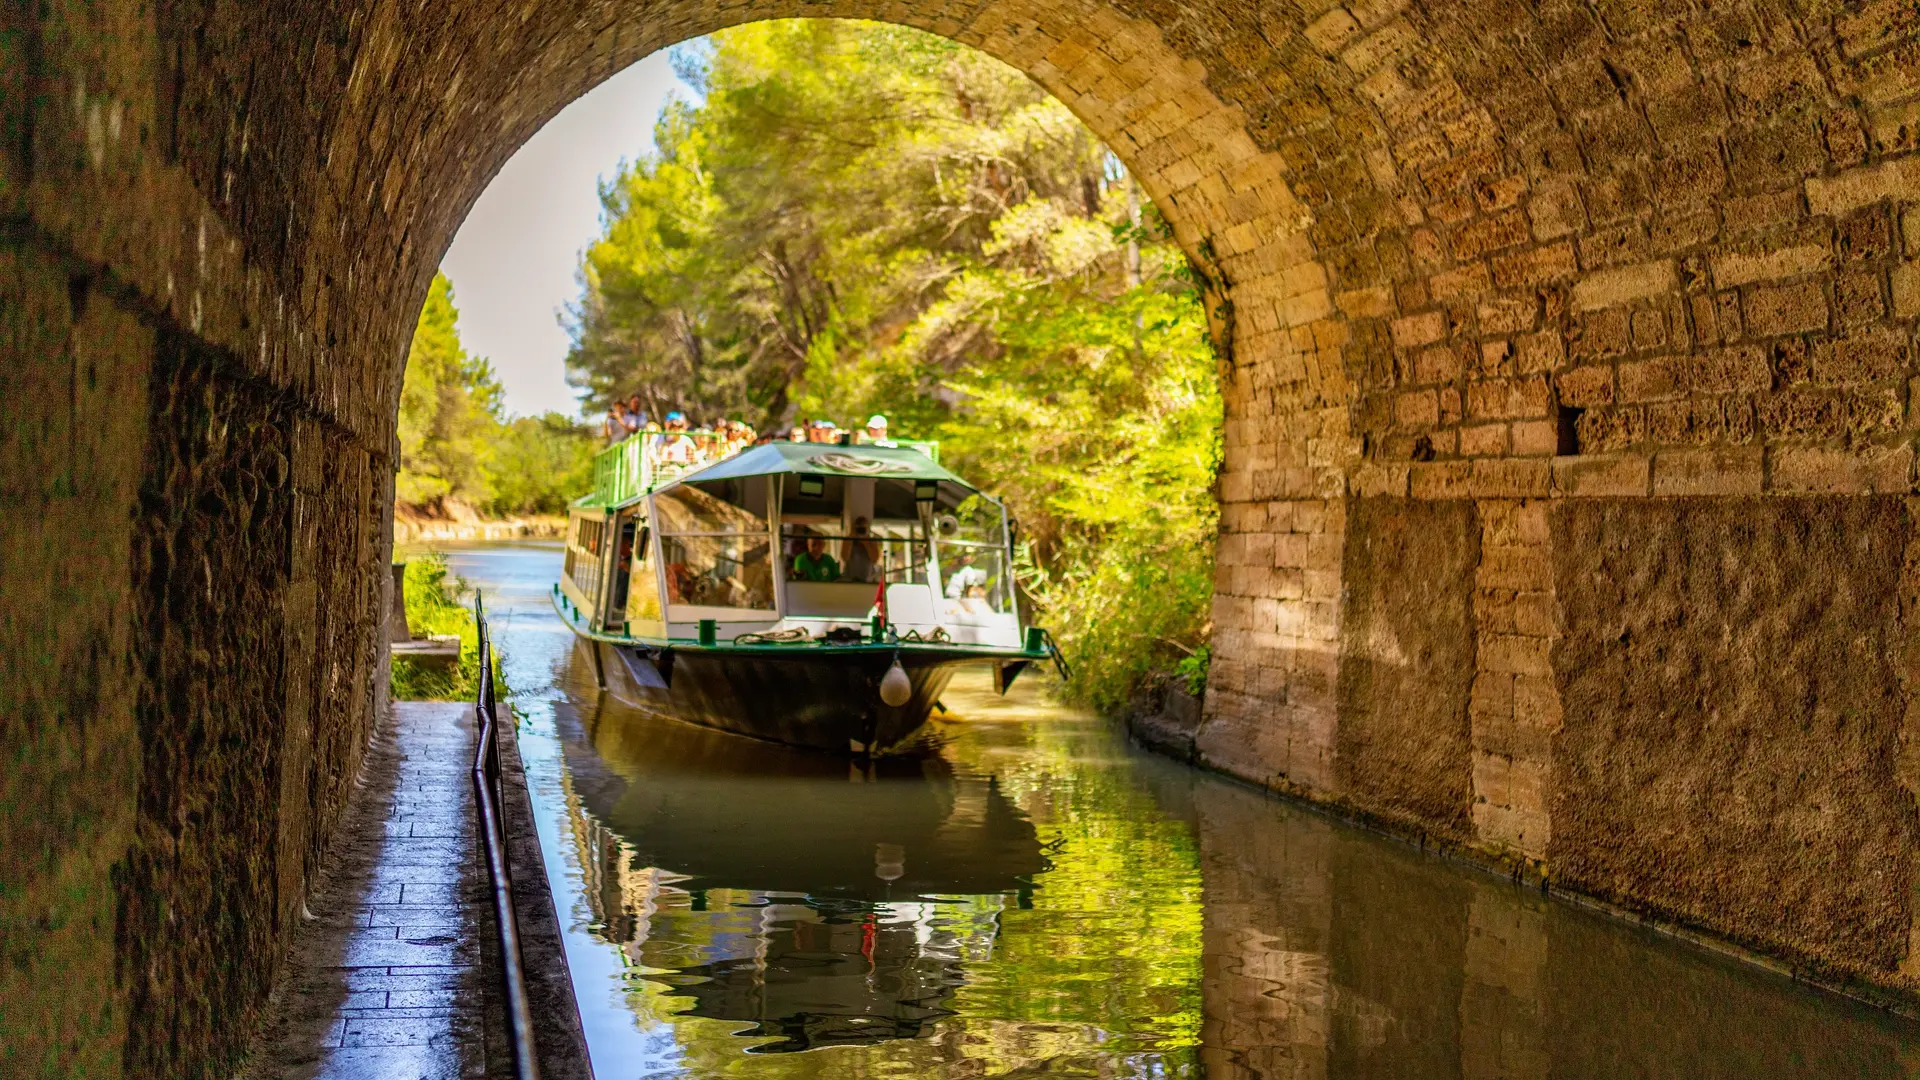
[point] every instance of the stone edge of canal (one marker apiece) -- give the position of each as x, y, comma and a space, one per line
559, 1033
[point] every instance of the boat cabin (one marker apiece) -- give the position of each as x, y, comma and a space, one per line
788, 535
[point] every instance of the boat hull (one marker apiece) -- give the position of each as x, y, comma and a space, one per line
812, 696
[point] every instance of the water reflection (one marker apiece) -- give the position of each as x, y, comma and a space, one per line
1055, 903
825, 903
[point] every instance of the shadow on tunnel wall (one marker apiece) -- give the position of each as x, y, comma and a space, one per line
188, 676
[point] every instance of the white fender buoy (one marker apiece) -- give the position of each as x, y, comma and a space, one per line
895, 687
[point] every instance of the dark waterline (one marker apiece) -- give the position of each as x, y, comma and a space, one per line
1036, 897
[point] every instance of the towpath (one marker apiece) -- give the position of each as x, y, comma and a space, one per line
394, 976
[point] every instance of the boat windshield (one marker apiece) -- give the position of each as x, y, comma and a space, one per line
970, 551
716, 548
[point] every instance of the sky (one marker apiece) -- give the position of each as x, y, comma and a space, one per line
513, 261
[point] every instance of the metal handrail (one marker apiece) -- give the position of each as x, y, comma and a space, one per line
487, 797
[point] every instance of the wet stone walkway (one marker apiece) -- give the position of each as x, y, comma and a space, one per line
392, 978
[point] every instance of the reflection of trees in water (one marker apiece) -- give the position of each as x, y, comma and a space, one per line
1097, 975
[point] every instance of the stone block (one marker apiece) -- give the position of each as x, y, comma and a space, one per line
1741, 369
1413, 331
1866, 357
1509, 398
1624, 285
1732, 470
1583, 387
1508, 315
1531, 438
1898, 180
1535, 267
1735, 268
1511, 478
1535, 614
1818, 470
1653, 380
1333, 31
1490, 778
1602, 475
1440, 479
1484, 236
1906, 290
1786, 309
1379, 479
1515, 654
1483, 440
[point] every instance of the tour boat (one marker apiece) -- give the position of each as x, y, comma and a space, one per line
819, 595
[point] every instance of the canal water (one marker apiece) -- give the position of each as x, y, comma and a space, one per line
1034, 896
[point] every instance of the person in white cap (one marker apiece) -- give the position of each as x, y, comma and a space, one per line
877, 430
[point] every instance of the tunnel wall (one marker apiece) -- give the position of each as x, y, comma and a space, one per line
192, 550
1504, 259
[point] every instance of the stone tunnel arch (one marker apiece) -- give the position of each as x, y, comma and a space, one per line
1528, 308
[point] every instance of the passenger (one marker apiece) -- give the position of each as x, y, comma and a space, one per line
675, 447
967, 580
798, 434
863, 554
636, 416
814, 564
877, 431
615, 426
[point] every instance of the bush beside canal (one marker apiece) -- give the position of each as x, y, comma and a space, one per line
439, 603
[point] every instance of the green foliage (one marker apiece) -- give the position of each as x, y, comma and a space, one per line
537, 464
455, 443
449, 404
858, 218
1192, 671
438, 603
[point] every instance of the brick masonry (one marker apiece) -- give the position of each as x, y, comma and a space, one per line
1517, 256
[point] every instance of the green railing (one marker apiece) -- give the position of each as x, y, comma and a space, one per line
620, 472
632, 467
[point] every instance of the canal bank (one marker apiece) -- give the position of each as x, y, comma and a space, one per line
1175, 924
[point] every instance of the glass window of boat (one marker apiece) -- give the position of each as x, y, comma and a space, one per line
871, 527
970, 548
716, 547
734, 505
583, 559
643, 586
719, 571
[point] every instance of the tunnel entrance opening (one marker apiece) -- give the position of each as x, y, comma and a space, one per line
840, 221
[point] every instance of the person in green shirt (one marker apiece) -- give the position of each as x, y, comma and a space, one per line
814, 564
